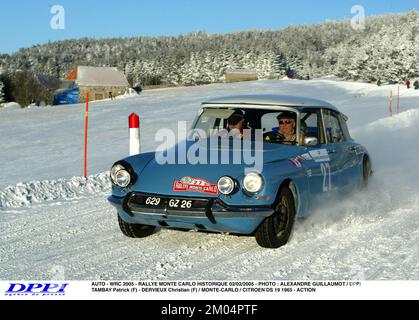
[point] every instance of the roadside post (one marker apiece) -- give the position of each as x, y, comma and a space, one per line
391, 103
398, 99
86, 129
134, 134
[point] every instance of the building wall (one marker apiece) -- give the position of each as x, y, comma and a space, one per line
237, 77
99, 93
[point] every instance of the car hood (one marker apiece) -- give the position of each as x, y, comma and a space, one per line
158, 177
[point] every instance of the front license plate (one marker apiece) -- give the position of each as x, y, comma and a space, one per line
169, 203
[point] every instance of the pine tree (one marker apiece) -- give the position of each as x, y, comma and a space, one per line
129, 73
2, 94
281, 64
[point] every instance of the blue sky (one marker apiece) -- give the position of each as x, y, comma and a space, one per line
24, 23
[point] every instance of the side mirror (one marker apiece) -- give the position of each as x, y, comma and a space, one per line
311, 141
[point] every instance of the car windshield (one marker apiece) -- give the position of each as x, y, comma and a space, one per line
276, 126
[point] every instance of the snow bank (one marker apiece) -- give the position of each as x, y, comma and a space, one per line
129, 94
11, 105
393, 142
24, 194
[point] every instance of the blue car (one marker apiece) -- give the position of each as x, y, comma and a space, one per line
250, 165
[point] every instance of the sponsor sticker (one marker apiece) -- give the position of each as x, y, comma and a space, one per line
296, 162
305, 156
189, 184
320, 155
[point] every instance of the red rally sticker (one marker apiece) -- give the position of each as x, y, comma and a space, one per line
296, 162
188, 184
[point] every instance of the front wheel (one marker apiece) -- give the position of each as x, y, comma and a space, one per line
135, 230
275, 231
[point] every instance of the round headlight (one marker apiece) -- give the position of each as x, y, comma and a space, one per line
114, 170
226, 185
122, 178
253, 182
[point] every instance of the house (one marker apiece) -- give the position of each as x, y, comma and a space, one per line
100, 82
239, 75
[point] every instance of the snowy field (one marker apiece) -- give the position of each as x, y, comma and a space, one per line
54, 224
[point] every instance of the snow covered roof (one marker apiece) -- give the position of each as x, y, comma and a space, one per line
101, 77
272, 100
240, 71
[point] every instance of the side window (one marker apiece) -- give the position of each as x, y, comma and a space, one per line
333, 128
311, 124
345, 129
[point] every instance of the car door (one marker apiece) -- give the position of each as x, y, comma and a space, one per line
341, 150
321, 165
351, 159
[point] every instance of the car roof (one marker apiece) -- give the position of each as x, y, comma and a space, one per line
270, 100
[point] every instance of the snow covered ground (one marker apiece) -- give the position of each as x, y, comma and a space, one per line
54, 224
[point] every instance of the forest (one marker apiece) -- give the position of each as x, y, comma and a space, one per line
385, 50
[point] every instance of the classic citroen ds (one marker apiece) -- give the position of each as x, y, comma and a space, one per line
291, 180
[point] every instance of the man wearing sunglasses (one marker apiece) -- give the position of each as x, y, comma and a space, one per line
287, 125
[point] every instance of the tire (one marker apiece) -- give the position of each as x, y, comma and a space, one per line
135, 230
275, 231
366, 173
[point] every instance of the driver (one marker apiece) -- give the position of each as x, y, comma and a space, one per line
287, 127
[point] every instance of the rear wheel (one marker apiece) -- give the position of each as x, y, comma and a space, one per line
366, 172
135, 230
275, 231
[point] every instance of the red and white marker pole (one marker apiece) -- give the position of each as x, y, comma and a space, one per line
86, 128
398, 99
391, 103
134, 134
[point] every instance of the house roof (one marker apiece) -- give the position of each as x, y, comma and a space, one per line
271, 100
100, 77
72, 76
240, 71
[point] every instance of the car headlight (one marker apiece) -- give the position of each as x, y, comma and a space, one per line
122, 178
226, 185
253, 182
114, 170
122, 174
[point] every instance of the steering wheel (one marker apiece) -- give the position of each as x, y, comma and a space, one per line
273, 136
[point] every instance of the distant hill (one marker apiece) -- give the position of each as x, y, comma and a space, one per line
387, 49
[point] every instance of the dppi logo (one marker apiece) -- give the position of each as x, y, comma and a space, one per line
36, 289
